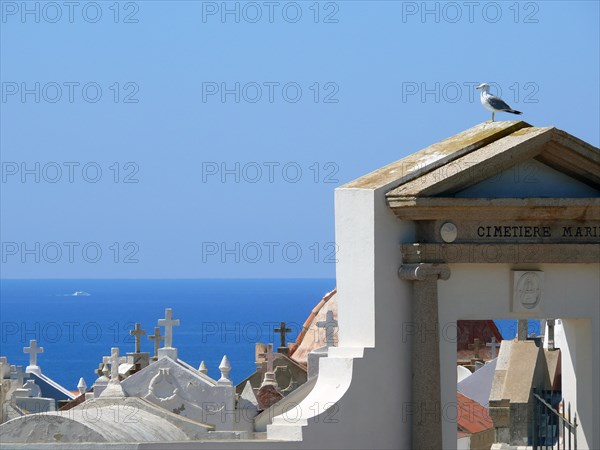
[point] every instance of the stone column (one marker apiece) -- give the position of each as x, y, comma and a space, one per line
522, 330
426, 390
550, 326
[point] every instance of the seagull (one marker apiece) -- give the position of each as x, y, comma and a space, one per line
492, 102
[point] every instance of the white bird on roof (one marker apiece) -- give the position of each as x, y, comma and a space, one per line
492, 102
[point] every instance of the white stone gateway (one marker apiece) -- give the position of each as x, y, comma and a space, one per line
518, 198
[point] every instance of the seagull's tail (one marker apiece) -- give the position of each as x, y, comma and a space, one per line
512, 111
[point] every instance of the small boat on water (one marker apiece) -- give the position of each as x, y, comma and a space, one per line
80, 294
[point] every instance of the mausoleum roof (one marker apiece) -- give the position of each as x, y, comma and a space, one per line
94, 421
312, 337
471, 416
432, 181
436, 155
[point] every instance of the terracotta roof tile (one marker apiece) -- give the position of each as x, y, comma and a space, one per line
472, 417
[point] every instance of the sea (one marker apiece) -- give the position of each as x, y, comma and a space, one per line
217, 317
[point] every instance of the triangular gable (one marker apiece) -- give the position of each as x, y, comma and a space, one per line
189, 393
446, 187
530, 178
137, 385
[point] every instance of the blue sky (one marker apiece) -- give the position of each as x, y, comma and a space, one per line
122, 158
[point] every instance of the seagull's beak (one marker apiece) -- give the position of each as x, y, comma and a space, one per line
478, 87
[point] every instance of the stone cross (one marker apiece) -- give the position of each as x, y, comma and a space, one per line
33, 351
270, 357
114, 364
330, 324
282, 330
494, 345
475, 346
138, 333
168, 323
156, 337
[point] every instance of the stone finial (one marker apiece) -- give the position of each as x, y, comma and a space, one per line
225, 368
105, 370
82, 386
138, 333
203, 369
329, 324
33, 351
168, 322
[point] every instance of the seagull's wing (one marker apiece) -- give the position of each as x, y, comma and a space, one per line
497, 103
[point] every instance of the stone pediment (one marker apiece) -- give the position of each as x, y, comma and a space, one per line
174, 387
501, 170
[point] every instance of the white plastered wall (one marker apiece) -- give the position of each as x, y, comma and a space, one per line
374, 307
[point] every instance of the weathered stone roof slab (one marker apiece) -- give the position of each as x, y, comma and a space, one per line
437, 155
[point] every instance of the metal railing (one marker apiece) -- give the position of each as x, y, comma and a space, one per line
553, 428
